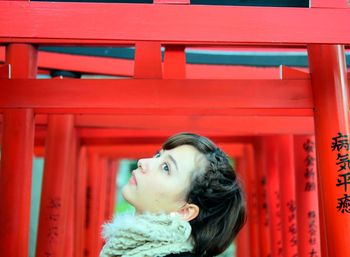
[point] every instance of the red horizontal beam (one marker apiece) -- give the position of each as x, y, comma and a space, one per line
142, 151
62, 23
152, 94
215, 125
137, 136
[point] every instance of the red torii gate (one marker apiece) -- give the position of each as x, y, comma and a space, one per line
22, 98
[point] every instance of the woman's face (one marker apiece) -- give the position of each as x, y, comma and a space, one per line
160, 184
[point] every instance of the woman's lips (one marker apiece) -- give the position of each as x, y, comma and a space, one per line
132, 179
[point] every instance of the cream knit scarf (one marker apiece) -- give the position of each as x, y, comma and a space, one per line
146, 235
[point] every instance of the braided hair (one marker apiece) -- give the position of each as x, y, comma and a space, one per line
215, 189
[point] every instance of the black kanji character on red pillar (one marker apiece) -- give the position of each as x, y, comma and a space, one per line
339, 142
309, 160
311, 214
309, 172
343, 162
344, 180
310, 186
344, 204
313, 253
309, 146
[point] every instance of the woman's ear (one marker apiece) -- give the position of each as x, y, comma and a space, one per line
189, 212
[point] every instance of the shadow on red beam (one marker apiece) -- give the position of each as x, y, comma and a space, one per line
253, 25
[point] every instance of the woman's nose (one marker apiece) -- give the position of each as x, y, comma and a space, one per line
147, 164
142, 165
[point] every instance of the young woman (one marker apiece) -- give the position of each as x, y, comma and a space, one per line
188, 203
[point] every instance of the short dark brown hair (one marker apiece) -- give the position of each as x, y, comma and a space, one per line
218, 194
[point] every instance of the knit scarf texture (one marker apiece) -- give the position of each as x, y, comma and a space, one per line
146, 235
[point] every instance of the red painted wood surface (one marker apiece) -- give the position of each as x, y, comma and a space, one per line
174, 62
214, 125
307, 198
132, 137
102, 208
95, 205
23, 60
288, 196
57, 182
251, 186
274, 195
180, 24
260, 153
329, 3
137, 151
328, 74
171, 1
148, 60
80, 203
71, 233
15, 181
217, 127
242, 240
5, 71
16, 161
293, 73
123, 67
111, 187
177, 93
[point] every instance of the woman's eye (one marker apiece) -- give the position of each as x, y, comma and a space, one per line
157, 155
165, 167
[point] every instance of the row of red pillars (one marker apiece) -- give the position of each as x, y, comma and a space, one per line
288, 216
75, 179
274, 202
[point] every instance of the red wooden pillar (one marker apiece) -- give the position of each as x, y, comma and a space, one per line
262, 200
80, 203
15, 181
174, 62
273, 195
330, 90
242, 240
148, 60
110, 189
16, 160
57, 181
96, 188
23, 60
69, 242
307, 200
251, 185
288, 198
